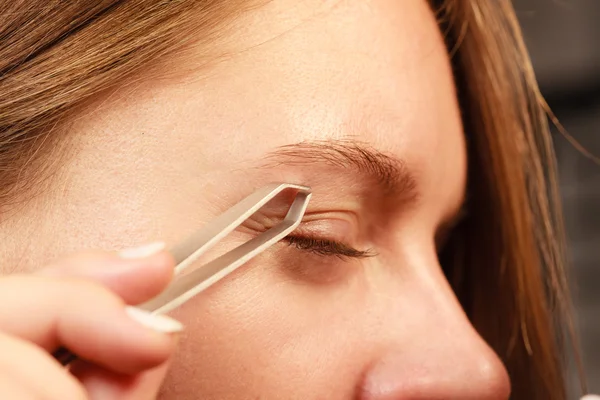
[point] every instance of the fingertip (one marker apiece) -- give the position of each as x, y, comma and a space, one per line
143, 251
142, 279
157, 342
160, 351
156, 322
126, 340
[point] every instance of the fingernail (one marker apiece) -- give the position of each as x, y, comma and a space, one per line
159, 323
144, 251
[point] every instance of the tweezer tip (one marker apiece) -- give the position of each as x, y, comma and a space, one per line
301, 188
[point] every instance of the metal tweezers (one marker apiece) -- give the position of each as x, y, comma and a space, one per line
188, 282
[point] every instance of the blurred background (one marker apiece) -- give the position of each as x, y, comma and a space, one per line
563, 37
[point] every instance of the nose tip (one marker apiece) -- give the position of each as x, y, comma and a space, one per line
437, 374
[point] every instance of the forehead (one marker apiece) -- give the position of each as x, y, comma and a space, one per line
375, 71
298, 70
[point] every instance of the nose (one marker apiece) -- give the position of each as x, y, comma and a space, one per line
441, 373
444, 359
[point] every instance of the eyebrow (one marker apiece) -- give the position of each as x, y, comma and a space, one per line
390, 173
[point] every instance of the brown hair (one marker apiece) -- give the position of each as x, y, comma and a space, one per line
504, 260
55, 55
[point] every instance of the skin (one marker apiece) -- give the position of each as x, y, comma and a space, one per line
156, 160
126, 359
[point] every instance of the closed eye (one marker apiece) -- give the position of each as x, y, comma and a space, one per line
326, 247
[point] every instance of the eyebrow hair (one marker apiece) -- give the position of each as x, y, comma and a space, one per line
389, 172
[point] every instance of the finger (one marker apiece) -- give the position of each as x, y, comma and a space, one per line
30, 367
590, 397
102, 384
134, 279
86, 318
11, 390
111, 268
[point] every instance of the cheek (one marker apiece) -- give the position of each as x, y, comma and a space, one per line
261, 333
274, 334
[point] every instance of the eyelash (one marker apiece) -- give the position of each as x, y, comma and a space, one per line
326, 247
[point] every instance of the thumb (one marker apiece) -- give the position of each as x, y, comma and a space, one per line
590, 397
102, 384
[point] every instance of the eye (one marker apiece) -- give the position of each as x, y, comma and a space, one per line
326, 247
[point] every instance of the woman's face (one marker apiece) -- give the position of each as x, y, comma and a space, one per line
353, 98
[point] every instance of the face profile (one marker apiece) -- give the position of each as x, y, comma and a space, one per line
363, 102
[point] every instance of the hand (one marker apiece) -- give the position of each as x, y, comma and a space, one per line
81, 303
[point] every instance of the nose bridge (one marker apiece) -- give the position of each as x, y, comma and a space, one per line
440, 355
443, 324
431, 303
445, 310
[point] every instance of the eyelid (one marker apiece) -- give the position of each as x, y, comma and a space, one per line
339, 229
334, 226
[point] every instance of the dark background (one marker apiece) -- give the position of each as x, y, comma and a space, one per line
563, 37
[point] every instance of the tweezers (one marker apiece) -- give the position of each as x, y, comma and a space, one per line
188, 282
